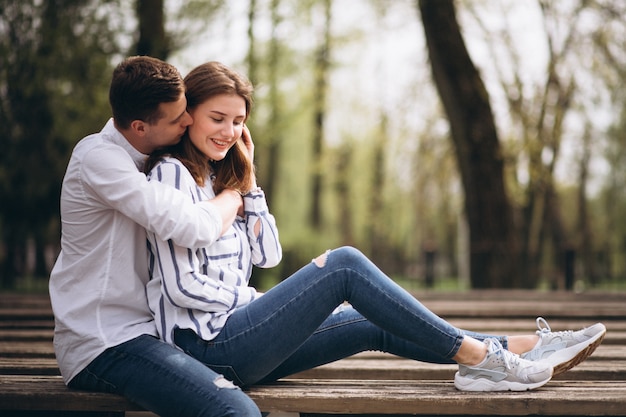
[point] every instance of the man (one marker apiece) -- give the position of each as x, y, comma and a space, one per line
105, 337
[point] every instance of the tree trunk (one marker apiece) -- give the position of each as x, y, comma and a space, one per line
379, 248
585, 234
322, 64
493, 254
342, 187
152, 38
274, 139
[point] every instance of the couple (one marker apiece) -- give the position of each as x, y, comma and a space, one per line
175, 327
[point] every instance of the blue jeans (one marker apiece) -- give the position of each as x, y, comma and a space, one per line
296, 325
164, 380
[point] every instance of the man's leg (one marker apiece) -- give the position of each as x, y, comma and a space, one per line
164, 380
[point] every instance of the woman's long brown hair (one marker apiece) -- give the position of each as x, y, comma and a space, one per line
235, 171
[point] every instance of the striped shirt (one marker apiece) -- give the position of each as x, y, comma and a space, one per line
199, 288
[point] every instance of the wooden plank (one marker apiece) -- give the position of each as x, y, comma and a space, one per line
571, 398
30, 313
21, 392
519, 309
27, 324
603, 352
22, 335
27, 349
29, 366
371, 369
558, 398
527, 324
364, 369
23, 300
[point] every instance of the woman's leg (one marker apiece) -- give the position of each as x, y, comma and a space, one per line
164, 380
345, 333
261, 336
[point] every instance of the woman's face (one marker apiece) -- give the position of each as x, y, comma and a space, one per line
217, 125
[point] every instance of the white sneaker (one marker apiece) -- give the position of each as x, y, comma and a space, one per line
564, 350
502, 371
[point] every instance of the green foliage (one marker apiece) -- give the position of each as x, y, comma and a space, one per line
53, 90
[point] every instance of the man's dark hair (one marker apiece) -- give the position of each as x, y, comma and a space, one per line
139, 85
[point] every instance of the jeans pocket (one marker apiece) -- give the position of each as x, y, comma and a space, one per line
189, 342
228, 372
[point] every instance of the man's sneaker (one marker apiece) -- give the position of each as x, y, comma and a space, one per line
564, 350
502, 371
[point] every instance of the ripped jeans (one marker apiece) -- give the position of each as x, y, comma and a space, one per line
298, 325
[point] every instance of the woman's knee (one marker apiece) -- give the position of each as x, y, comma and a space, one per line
344, 254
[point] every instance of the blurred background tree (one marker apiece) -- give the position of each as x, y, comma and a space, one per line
354, 144
55, 59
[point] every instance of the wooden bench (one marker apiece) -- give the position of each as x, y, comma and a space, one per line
366, 384
342, 396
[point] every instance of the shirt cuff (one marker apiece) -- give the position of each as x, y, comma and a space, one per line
254, 201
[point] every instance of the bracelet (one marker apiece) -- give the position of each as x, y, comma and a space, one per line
253, 190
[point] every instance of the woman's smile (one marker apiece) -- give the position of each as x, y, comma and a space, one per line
217, 124
221, 143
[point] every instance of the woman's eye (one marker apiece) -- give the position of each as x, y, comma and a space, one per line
217, 120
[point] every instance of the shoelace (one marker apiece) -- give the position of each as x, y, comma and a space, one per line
544, 327
510, 359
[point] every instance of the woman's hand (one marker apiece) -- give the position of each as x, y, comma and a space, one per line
246, 137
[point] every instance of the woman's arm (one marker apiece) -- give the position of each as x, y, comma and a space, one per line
261, 230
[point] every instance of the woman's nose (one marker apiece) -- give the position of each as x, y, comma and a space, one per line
228, 130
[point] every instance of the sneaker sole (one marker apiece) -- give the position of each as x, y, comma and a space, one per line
485, 385
580, 356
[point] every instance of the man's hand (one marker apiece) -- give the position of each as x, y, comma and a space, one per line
229, 203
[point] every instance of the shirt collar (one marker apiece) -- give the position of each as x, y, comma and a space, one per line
116, 137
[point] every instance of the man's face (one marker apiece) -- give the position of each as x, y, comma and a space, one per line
169, 129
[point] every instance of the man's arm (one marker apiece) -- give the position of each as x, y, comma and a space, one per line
227, 203
112, 178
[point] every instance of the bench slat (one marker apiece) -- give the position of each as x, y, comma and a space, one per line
572, 398
37, 392
558, 398
401, 369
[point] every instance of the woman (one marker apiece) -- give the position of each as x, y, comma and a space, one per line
202, 299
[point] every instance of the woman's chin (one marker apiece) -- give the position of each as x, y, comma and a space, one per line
215, 157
